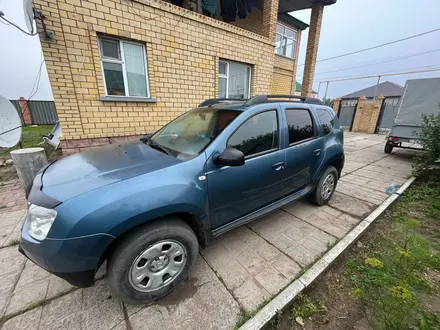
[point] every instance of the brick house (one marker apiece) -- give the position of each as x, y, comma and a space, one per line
121, 68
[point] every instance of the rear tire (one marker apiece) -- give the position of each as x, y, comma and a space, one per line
152, 261
325, 188
388, 148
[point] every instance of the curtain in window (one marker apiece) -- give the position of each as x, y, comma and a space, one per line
135, 66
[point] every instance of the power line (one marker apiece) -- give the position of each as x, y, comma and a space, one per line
16, 26
36, 81
412, 68
377, 46
385, 74
380, 62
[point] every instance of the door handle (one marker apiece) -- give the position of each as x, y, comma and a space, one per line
317, 152
278, 166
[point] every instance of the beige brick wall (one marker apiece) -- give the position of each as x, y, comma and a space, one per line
183, 49
312, 48
284, 76
367, 113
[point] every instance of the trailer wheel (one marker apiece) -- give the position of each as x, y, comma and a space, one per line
388, 148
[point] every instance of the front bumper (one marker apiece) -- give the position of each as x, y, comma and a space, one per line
74, 259
82, 279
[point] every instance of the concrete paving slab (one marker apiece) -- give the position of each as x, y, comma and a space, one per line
27, 295
100, 309
63, 313
251, 294
28, 320
31, 273
296, 238
350, 205
57, 286
202, 303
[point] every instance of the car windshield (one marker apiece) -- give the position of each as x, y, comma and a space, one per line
188, 135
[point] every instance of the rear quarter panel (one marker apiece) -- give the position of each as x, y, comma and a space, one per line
333, 142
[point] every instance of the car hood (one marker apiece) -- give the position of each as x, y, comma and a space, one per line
98, 167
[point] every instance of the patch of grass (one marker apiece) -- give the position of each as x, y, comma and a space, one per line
14, 242
244, 316
33, 135
389, 276
305, 307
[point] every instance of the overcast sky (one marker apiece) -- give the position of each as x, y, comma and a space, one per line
350, 25
347, 26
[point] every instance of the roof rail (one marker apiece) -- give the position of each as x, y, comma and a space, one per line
258, 99
209, 102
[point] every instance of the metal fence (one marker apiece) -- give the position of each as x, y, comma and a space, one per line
388, 114
347, 113
42, 112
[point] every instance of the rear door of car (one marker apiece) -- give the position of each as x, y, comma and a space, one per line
304, 147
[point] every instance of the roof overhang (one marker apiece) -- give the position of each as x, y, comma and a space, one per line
286, 6
286, 18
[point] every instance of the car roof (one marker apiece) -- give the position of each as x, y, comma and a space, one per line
243, 104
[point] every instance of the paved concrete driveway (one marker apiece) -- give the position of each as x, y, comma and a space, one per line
239, 271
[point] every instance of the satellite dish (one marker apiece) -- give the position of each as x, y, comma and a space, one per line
29, 15
10, 124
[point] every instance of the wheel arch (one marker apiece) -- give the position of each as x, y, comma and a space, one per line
195, 222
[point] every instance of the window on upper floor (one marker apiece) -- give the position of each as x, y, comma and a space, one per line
124, 65
234, 80
286, 41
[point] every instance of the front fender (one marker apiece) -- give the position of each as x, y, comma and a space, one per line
114, 213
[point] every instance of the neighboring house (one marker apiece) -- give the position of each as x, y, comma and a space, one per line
124, 68
299, 88
386, 111
388, 89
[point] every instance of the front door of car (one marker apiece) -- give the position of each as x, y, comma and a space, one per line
305, 150
235, 191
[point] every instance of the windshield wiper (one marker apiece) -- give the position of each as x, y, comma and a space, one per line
157, 146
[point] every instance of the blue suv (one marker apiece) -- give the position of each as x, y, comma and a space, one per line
146, 206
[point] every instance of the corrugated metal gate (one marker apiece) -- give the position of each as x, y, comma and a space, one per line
347, 113
388, 114
42, 112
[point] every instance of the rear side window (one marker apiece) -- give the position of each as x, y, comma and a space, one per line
258, 134
326, 120
300, 125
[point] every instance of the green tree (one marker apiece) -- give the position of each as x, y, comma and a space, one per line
327, 101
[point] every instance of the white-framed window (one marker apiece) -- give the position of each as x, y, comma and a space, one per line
286, 41
234, 80
124, 67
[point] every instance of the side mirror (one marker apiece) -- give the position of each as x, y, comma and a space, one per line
230, 157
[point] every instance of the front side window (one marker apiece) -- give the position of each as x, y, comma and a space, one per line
234, 80
286, 41
258, 134
300, 125
192, 132
326, 120
124, 65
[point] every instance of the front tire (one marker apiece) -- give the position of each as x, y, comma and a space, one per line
325, 187
152, 261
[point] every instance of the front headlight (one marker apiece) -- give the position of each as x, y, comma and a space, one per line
39, 221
